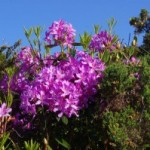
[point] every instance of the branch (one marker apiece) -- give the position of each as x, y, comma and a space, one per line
54, 45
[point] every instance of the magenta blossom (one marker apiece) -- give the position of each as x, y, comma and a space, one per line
134, 60
28, 58
64, 88
4, 110
60, 33
101, 41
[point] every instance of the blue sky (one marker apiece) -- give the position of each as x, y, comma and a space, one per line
82, 14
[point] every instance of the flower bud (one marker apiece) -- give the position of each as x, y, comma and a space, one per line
45, 141
118, 45
134, 42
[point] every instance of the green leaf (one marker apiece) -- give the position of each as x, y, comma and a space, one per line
37, 31
85, 40
35, 42
49, 148
115, 39
131, 51
8, 53
64, 143
9, 98
111, 24
47, 49
65, 120
106, 56
28, 32
3, 140
32, 145
96, 29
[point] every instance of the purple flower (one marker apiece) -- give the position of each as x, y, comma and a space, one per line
60, 33
133, 60
65, 88
137, 75
19, 81
25, 56
4, 110
28, 59
101, 41
27, 63
4, 83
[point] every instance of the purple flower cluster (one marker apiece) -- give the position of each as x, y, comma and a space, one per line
28, 59
65, 88
4, 110
28, 64
60, 33
101, 41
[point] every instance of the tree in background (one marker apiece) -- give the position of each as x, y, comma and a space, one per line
142, 25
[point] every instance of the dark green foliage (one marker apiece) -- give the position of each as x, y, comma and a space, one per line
146, 41
7, 56
125, 115
122, 128
117, 77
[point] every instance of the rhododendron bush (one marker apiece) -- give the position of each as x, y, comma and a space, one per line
94, 98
